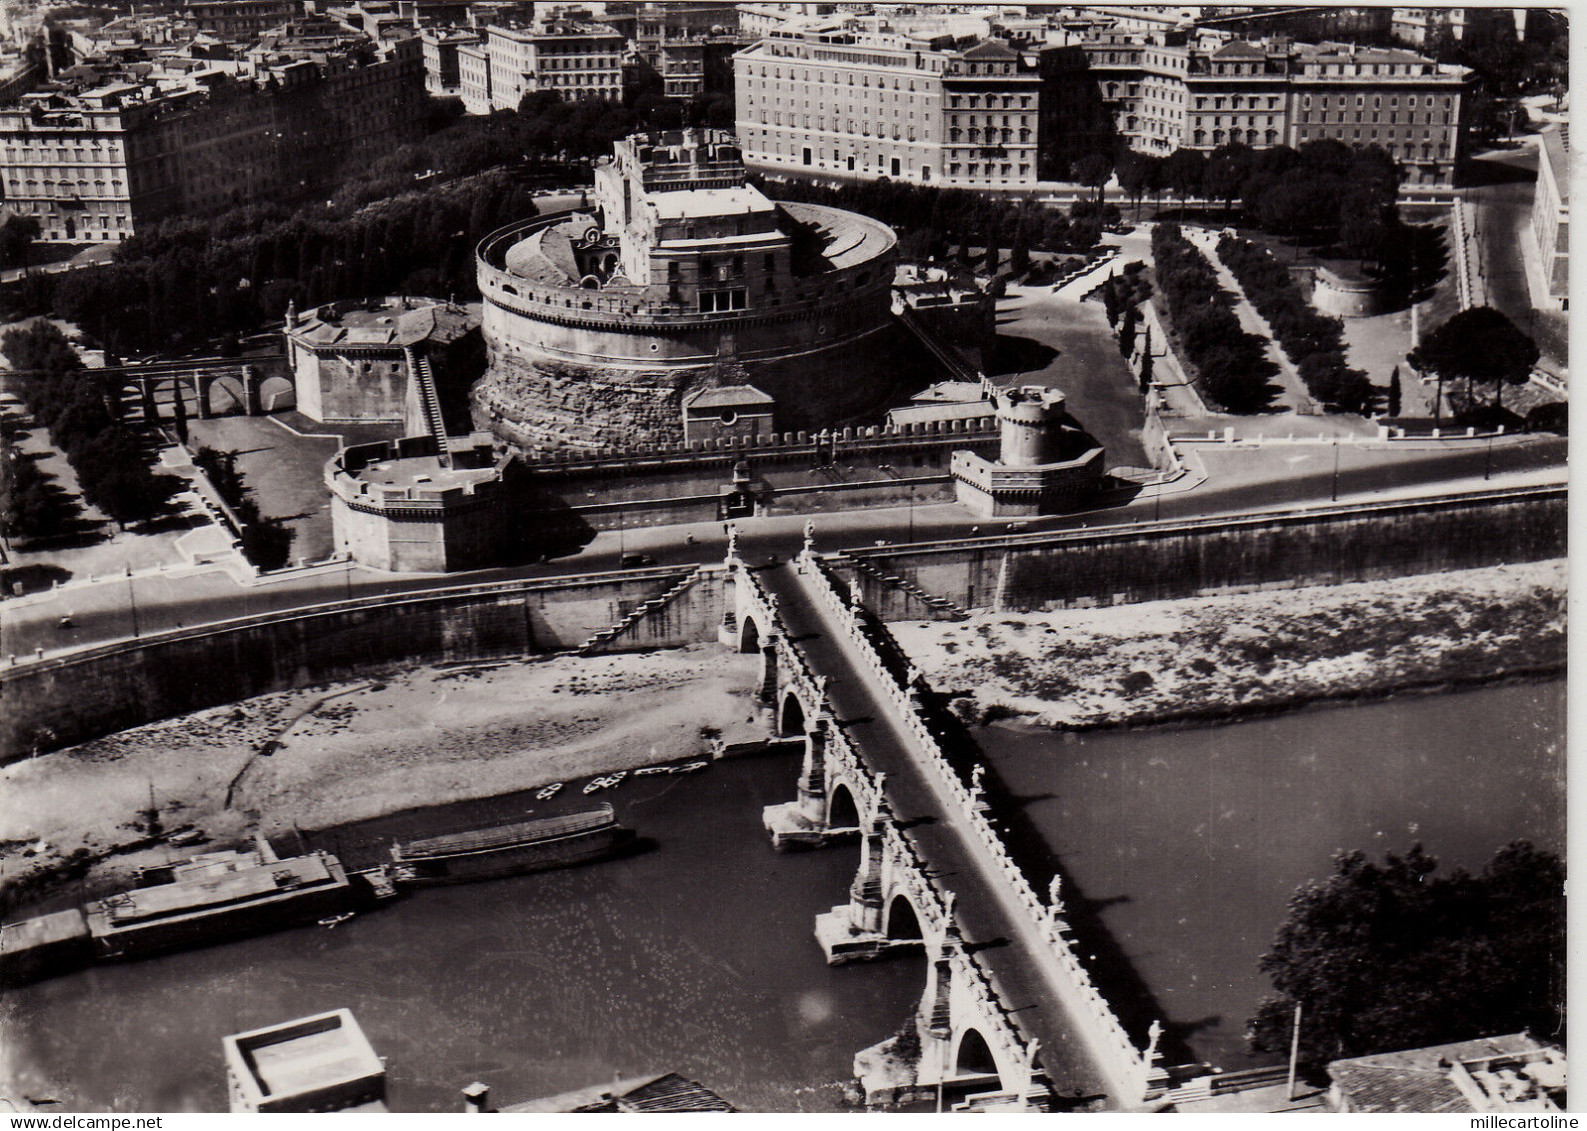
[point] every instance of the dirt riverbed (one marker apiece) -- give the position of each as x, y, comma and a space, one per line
1225, 656
331, 755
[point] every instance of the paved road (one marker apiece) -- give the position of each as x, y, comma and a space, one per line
1240, 481
1086, 366
994, 934
1500, 213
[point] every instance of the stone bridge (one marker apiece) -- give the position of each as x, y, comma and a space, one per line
217, 385
1009, 1018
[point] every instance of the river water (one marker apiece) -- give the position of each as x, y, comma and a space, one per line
698, 956
1193, 840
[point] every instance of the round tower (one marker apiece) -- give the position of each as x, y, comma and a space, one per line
1030, 418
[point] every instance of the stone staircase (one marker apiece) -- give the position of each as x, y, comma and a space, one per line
941, 608
603, 639
429, 399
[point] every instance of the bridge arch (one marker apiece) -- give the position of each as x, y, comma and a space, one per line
223, 395
791, 717
972, 1056
902, 920
277, 393
750, 634
842, 813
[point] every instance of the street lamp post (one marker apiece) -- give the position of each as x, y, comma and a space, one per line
911, 512
132, 601
1487, 461
1336, 470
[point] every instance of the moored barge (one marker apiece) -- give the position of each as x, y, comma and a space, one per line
509, 849
218, 896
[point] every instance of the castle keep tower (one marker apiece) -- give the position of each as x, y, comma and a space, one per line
1031, 423
1046, 463
598, 327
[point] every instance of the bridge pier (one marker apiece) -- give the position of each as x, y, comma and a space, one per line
804, 823
767, 692
813, 773
727, 631
857, 931
201, 392
250, 391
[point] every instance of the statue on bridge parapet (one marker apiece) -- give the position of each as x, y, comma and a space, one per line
732, 543
810, 539
1055, 903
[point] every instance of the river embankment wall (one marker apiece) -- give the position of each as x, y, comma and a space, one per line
50, 703
1203, 557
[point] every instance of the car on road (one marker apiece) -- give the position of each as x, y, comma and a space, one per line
634, 561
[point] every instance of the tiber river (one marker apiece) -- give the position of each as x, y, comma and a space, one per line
698, 957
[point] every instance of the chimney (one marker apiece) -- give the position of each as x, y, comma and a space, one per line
476, 1098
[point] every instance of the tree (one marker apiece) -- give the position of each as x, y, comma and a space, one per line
1366, 227
1127, 331
1184, 172
1394, 957
1135, 176
1019, 254
1480, 345
1093, 171
16, 237
1394, 392
29, 508
1226, 173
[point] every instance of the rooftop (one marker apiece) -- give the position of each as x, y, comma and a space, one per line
1554, 147
396, 321
308, 1055
727, 396
1504, 1073
646, 1094
849, 238
929, 411
692, 203
424, 472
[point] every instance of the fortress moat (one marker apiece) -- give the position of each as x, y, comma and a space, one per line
599, 326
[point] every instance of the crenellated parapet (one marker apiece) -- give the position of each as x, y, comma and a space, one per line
827, 445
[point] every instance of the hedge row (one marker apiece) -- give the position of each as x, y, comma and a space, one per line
1234, 367
1313, 341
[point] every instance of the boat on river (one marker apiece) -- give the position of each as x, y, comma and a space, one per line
217, 896
509, 849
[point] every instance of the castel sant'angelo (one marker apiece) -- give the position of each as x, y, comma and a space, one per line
601, 329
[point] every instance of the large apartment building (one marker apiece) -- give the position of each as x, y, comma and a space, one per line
237, 19
580, 61
831, 101
443, 76
1173, 89
1549, 266
95, 165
